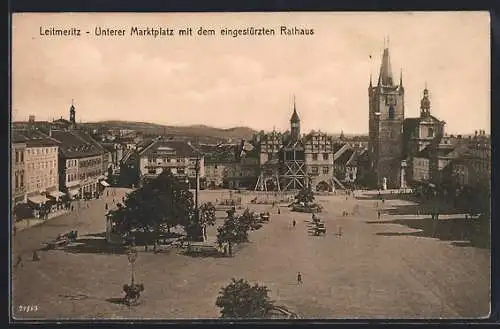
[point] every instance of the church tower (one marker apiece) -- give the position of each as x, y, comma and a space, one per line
425, 104
295, 124
72, 114
386, 116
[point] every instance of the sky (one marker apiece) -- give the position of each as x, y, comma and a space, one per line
224, 82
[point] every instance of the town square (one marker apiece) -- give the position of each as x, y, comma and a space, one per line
339, 174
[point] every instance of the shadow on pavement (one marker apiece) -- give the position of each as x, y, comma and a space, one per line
97, 235
94, 246
116, 300
475, 232
388, 196
205, 254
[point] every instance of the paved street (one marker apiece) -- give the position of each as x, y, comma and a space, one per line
398, 266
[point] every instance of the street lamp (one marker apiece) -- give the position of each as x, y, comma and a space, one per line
197, 170
132, 291
132, 257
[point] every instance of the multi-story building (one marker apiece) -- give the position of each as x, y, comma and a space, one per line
41, 162
386, 115
219, 161
18, 174
179, 157
424, 133
319, 153
473, 167
290, 161
81, 159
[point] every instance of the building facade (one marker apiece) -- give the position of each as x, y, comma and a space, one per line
81, 159
386, 115
18, 174
41, 164
178, 156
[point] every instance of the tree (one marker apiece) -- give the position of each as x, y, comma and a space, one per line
305, 195
239, 299
207, 216
232, 231
164, 201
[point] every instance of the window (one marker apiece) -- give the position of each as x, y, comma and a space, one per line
315, 156
392, 113
325, 156
151, 171
17, 156
17, 181
22, 156
314, 170
325, 170
430, 132
22, 180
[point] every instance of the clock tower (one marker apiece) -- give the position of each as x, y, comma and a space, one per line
386, 116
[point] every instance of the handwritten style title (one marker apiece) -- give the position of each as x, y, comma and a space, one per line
160, 32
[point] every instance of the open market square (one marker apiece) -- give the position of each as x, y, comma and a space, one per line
398, 266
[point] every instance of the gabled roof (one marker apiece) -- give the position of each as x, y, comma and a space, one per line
337, 146
345, 157
179, 148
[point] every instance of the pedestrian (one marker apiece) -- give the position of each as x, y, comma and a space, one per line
278, 210
105, 206
15, 229
383, 200
36, 258
113, 201
299, 278
378, 214
293, 223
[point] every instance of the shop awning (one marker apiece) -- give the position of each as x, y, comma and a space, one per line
38, 199
73, 192
56, 194
104, 183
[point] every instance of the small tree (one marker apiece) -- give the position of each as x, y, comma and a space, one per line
206, 217
305, 195
232, 231
239, 299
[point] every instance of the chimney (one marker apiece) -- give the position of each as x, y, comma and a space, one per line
475, 133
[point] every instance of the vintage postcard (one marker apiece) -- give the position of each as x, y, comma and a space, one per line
286, 166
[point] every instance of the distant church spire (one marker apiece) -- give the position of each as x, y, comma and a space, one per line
72, 113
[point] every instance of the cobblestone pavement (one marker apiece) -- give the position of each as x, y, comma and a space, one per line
376, 269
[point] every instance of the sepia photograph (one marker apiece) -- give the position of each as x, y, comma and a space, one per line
240, 166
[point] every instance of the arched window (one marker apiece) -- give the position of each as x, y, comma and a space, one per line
392, 113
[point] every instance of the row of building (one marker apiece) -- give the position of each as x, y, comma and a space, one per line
412, 151
51, 162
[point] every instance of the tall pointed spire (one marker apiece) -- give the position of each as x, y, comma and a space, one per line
401, 78
295, 115
371, 85
385, 77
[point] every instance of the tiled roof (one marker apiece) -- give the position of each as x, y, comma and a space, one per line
179, 148
34, 138
337, 147
344, 158
77, 144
